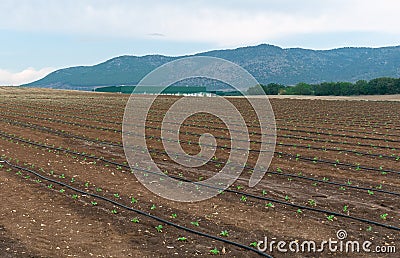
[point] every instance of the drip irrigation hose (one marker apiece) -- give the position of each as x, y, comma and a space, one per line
212, 161
271, 199
137, 210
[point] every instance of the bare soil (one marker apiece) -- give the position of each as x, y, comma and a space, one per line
43, 219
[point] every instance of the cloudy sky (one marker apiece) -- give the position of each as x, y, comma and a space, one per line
40, 36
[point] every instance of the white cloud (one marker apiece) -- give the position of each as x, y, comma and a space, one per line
226, 23
8, 78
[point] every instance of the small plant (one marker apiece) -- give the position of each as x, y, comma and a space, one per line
93, 203
74, 196
159, 228
133, 200
62, 176
135, 220
214, 251
153, 207
243, 198
87, 184
72, 180
174, 215
182, 238
369, 229
330, 217
299, 211
312, 202
370, 192
195, 223
345, 208
116, 195
264, 192
50, 186
287, 198
253, 244
269, 205
224, 233
114, 211
62, 190
384, 216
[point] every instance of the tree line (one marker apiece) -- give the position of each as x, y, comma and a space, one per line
378, 86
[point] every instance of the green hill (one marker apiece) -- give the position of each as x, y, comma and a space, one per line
265, 62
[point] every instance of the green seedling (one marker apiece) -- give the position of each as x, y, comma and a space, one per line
195, 223
224, 233
253, 244
269, 205
159, 228
214, 251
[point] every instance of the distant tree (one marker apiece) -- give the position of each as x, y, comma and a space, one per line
273, 88
360, 87
377, 86
256, 90
300, 89
270, 89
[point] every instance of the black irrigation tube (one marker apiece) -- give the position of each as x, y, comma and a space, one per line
215, 128
340, 163
224, 138
319, 116
213, 161
136, 210
281, 144
255, 196
277, 119
248, 195
250, 150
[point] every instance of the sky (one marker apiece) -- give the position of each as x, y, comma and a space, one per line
41, 36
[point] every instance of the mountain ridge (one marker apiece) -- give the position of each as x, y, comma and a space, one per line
267, 63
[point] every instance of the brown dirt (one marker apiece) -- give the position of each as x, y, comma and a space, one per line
38, 221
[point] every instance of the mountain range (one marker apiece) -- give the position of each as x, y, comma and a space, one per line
267, 63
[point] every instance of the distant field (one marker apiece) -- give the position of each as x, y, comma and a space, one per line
336, 166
